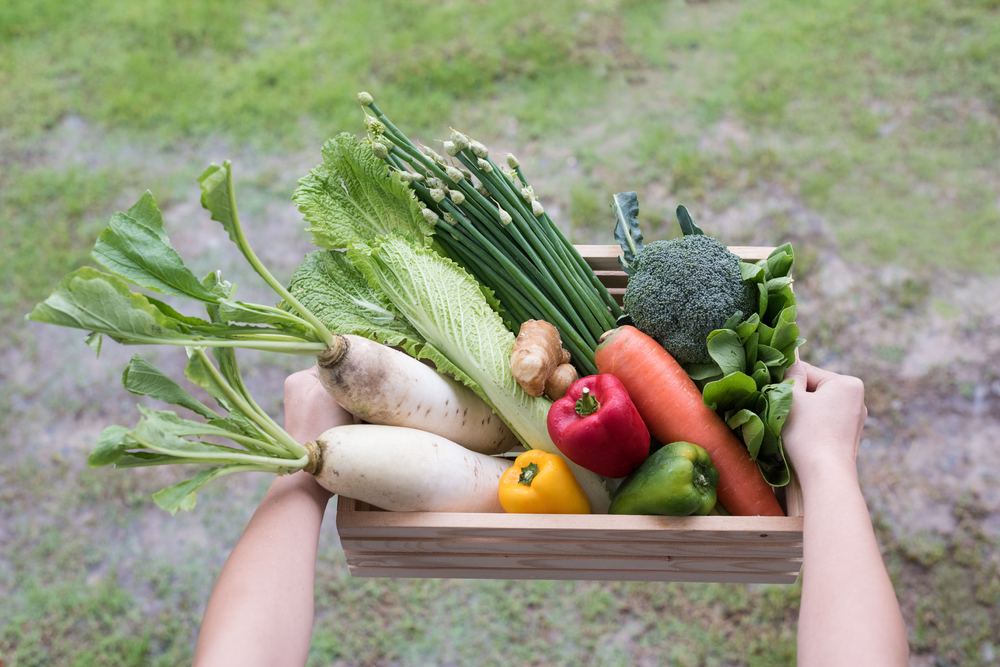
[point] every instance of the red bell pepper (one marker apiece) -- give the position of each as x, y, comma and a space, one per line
597, 426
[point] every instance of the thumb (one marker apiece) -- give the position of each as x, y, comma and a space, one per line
797, 372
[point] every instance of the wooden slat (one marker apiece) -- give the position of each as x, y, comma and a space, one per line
612, 279
631, 548
757, 529
605, 257
492, 561
577, 575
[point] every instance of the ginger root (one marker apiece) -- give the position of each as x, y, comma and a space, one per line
537, 354
558, 383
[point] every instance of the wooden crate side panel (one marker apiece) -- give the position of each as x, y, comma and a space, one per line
787, 551
605, 257
576, 575
574, 562
595, 527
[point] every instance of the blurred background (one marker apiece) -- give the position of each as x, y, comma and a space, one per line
866, 133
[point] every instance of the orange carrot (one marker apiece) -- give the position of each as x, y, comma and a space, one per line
672, 407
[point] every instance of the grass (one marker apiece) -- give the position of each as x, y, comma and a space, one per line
71, 606
879, 118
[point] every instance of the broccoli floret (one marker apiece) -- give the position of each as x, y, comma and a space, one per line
683, 289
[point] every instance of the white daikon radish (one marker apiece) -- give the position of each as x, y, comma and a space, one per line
405, 469
384, 386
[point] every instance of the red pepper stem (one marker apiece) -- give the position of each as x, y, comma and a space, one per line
587, 405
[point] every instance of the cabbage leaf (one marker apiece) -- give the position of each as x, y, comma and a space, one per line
352, 195
446, 306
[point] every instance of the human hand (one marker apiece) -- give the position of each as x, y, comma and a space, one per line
824, 425
309, 409
309, 412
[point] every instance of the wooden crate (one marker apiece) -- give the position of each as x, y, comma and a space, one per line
587, 547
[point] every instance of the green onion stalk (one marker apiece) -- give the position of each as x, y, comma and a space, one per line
489, 220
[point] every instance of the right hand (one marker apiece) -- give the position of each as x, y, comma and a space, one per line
824, 425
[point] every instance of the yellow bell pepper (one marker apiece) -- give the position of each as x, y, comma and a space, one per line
541, 483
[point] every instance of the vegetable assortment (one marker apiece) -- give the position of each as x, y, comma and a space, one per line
673, 410
730, 324
444, 259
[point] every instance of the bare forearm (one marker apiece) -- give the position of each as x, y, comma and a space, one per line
849, 614
261, 609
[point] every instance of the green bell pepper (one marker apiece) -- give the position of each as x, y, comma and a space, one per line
678, 480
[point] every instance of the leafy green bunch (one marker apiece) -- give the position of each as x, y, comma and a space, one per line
490, 221
135, 250
163, 438
745, 381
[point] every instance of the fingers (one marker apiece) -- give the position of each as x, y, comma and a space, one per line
309, 409
797, 372
810, 378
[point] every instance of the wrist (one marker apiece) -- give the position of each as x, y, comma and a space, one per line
820, 470
300, 483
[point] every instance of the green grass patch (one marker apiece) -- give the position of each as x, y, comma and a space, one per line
260, 70
882, 116
50, 219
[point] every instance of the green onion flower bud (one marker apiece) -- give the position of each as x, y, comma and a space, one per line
437, 194
405, 176
374, 125
536, 209
457, 196
484, 191
429, 152
454, 174
505, 218
459, 140
430, 216
434, 182
450, 148
467, 174
365, 99
380, 150
418, 177
527, 195
479, 150
485, 166
450, 219
512, 161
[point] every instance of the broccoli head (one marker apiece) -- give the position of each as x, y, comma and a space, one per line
683, 289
